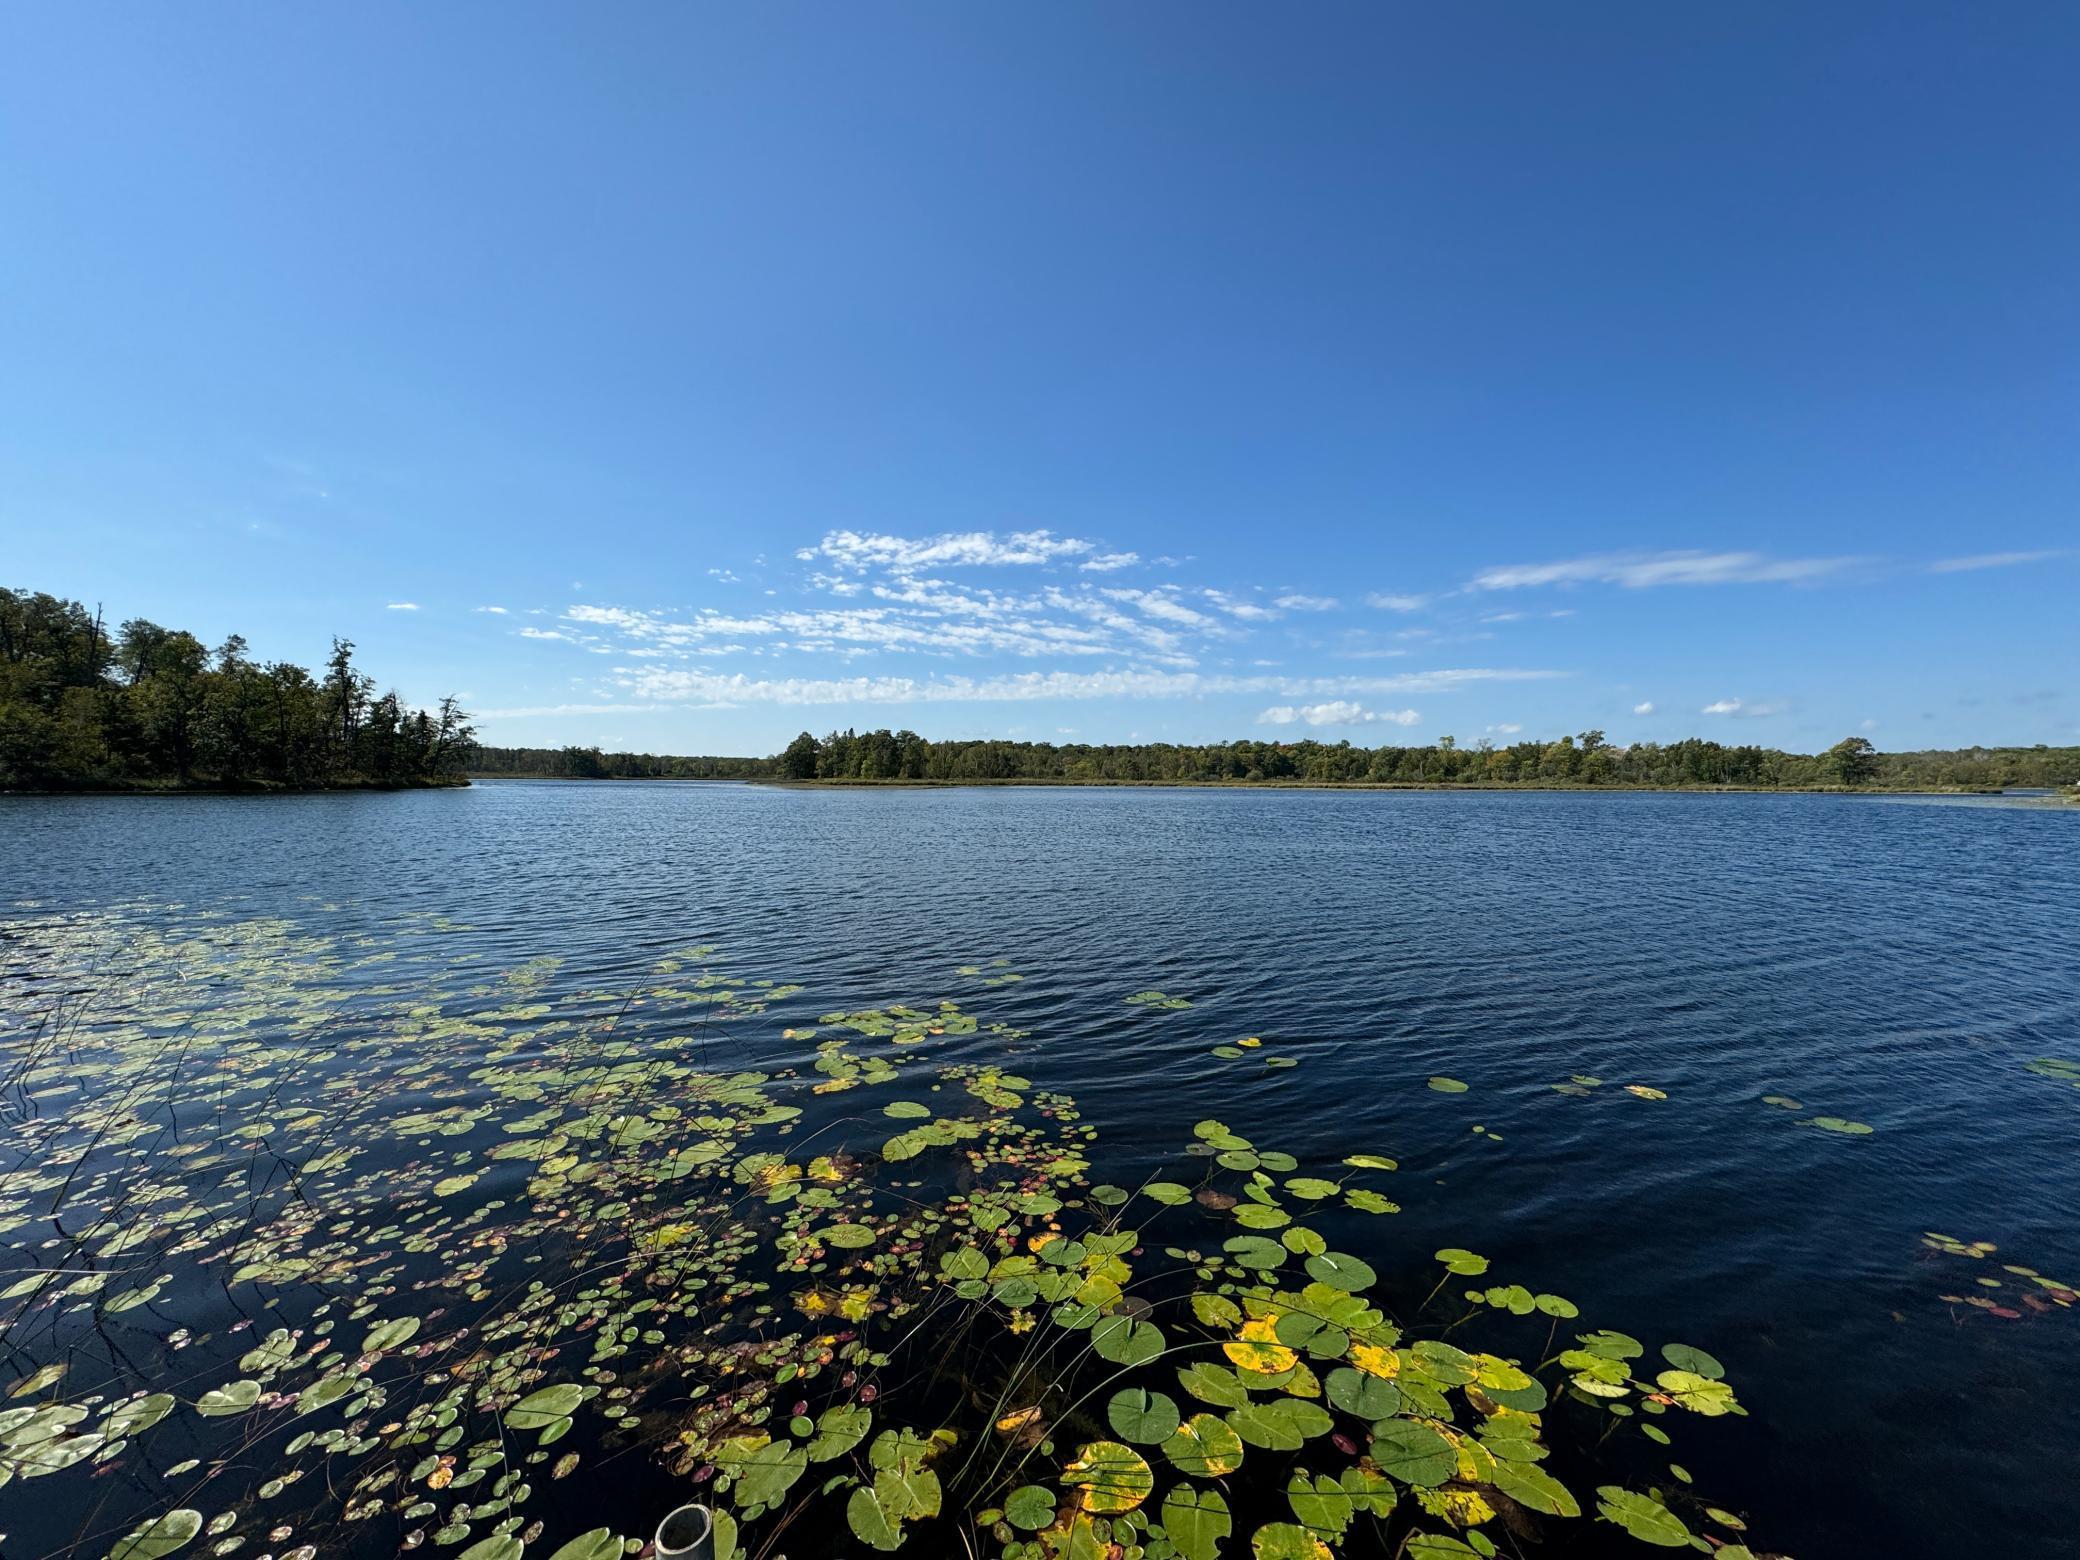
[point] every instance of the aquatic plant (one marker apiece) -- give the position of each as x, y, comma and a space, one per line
340, 1244
2000, 1296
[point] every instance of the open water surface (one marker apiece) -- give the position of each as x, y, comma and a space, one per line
1887, 963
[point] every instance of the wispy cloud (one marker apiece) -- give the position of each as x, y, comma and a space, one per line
1162, 604
2003, 560
526, 711
1247, 611
401, 606
856, 550
1295, 602
1105, 563
1741, 708
1337, 712
1389, 601
500, 611
681, 684
1642, 571
1644, 707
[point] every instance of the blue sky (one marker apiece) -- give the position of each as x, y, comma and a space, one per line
680, 377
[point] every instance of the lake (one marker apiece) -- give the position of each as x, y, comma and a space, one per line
1674, 1017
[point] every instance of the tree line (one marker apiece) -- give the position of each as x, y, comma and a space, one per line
84, 706
590, 763
1585, 759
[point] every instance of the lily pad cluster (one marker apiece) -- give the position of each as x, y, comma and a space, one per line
2008, 1291
341, 1243
1161, 1001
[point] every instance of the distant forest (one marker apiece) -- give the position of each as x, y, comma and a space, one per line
87, 707
1586, 760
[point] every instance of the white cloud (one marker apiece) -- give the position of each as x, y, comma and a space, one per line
525, 711
1507, 728
1299, 603
1990, 561
662, 683
1247, 611
1105, 563
1644, 707
859, 551
402, 606
1640, 571
1387, 601
531, 632
1741, 708
1869, 724
1162, 604
500, 611
1338, 712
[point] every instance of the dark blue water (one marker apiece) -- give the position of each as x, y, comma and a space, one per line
1893, 963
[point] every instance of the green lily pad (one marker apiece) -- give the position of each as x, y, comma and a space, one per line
1364, 1395
232, 1398
1683, 1357
1414, 1454
1030, 1506
161, 1536
598, 1544
1530, 1485
1341, 1271
1642, 1516
1197, 1522
390, 1334
538, 1410
1139, 1415
1838, 1124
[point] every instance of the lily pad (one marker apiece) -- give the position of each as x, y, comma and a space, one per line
1197, 1522
1139, 1415
1341, 1271
1204, 1447
1113, 1478
1414, 1454
161, 1536
1030, 1506
1642, 1516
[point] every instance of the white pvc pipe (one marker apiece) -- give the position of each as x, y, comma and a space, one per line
686, 1534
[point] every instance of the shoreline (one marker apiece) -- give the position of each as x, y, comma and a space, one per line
244, 788
1499, 787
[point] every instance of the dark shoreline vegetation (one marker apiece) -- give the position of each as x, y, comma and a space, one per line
146, 709
1587, 762
269, 1293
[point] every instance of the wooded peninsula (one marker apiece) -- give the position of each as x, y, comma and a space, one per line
143, 708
